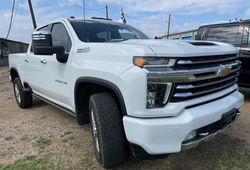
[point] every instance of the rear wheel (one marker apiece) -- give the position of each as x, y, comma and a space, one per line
23, 99
107, 129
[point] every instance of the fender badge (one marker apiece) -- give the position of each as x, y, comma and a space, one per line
83, 50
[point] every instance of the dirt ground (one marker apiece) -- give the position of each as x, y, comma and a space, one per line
43, 137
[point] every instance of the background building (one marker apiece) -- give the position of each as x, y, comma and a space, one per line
187, 35
10, 46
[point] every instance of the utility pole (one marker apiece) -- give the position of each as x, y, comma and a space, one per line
107, 12
169, 21
32, 14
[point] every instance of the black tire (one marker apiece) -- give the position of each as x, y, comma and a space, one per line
104, 113
83, 118
23, 99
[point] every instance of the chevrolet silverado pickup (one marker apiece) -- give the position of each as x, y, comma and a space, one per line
150, 97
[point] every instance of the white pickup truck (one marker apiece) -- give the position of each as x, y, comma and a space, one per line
153, 97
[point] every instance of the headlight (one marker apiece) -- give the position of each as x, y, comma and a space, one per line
158, 94
153, 62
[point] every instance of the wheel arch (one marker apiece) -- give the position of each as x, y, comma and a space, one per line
13, 73
86, 86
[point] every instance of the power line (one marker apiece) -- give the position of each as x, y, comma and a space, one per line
12, 12
14, 19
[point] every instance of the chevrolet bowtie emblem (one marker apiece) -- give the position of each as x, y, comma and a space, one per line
224, 70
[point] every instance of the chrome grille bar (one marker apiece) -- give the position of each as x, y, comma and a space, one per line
191, 86
186, 62
207, 75
190, 94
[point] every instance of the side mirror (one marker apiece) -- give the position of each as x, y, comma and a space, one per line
41, 38
42, 45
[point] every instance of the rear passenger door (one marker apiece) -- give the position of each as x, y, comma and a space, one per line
56, 75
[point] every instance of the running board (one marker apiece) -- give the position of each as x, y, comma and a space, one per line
55, 105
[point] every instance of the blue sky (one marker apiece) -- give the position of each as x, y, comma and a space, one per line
151, 16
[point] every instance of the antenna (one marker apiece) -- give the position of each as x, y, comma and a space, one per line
83, 4
107, 12
169, 19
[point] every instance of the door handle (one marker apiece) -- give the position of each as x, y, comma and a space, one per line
27, 61
43, 61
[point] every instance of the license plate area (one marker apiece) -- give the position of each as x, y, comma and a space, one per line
227, 118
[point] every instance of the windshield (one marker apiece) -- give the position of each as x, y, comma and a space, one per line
94, 31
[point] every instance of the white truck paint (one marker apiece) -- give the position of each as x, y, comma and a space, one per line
159, 130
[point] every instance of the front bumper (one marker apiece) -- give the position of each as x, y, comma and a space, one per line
166, 135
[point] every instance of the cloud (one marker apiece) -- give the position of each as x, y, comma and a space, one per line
247, 12
22, 28
179, 6
150, 16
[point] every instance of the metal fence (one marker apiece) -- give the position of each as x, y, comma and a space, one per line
8, 47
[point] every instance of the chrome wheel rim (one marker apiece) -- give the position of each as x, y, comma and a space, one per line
94, 131
17, 94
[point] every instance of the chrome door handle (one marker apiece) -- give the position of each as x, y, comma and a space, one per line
27, 61
43, 61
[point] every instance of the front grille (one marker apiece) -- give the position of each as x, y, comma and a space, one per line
208, 81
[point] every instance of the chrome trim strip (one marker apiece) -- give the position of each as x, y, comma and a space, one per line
189, 94
186, 75
193, 144
187, 62
190, 86
55, 105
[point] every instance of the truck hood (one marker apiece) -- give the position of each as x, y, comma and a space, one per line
179, 48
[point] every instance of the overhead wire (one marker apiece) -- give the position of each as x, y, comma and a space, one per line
16, 11
12, 12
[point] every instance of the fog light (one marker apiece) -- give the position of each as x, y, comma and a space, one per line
190, 136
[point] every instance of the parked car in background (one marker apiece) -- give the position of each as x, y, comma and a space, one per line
237, 34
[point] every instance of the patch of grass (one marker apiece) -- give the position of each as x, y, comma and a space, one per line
223, 152
25, 138
33, 163
42, 142
68, 139
88, 162
75, 145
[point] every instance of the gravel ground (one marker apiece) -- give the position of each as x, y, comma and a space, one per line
45, 131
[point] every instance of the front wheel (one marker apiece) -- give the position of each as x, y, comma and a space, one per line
23, 98
107, 129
